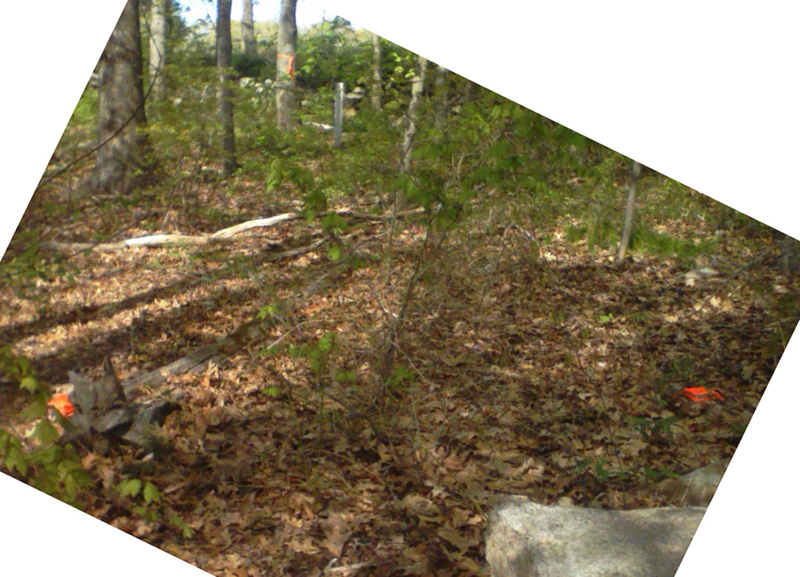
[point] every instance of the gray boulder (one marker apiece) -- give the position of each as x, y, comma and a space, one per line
526, 539
696, 488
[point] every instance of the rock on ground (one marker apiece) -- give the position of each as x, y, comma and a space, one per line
526, 539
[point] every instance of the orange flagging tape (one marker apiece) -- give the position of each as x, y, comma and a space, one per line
702, 394
62, 404
290, 65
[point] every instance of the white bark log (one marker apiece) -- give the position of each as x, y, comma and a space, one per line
157, 240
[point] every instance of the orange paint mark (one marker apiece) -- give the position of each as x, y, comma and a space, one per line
62, 404
701, 394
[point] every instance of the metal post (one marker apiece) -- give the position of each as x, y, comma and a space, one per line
338, 114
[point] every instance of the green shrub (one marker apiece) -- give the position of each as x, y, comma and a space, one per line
46, 465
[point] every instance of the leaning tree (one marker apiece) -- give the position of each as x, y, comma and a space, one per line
124, 154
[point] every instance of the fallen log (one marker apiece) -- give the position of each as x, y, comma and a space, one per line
142, 241
103, 413
158, 240
104, 406
199, 358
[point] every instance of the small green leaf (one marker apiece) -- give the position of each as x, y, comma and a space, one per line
314, 202
129, 487
186, 531
36, 410
15, 459
275, 177
71, 485
150, 493
334, 223
346, 377
266, 311
326, 342
335, 253
29, 383
45, 432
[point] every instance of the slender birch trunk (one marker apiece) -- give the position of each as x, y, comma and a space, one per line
440, 90
158, 47
636, 170
376, 92
417, 86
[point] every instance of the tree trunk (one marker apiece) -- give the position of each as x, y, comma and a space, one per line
158, 46
377, 88
224, 96
470, 91
627, 228
790, 252
285, 81
417, 86
248, 29
125, 154
440, 89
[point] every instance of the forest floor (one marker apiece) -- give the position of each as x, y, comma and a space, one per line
370, 431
